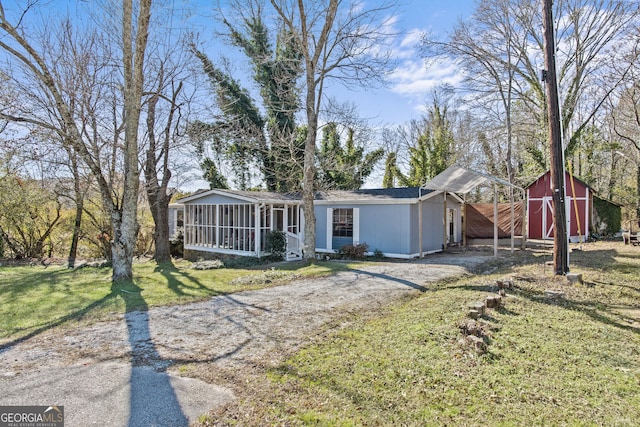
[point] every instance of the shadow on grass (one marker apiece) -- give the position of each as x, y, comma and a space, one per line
597, 310
391, 278
57, 322
36, 278
178, 280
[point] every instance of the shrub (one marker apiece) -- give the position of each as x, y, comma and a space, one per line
276, 244
377, 254
354, 251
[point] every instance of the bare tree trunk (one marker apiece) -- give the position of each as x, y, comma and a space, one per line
638, 193
308, 185
75, 237
126, 222
157, 163
79, 202
4, 236
560, 246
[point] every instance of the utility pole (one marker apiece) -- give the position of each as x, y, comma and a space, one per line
560, 246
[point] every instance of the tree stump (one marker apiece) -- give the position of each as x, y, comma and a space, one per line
477, 343
505, 284
575, 278
478, 306
493, 301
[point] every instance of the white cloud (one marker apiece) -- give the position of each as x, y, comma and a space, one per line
412, 39
413, 78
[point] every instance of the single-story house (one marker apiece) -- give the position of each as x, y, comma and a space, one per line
578, 206
398, 222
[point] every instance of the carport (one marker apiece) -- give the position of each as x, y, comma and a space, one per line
461, 181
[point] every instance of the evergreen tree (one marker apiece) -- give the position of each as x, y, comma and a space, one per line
244, 134
344, 168
211, 174
431, 154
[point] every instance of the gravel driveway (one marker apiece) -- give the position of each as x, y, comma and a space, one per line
122, 364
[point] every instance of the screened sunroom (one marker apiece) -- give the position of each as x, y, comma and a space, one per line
237, 222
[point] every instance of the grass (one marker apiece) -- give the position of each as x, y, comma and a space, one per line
34, 298
571, 361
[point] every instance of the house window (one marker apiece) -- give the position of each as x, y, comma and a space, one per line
343, 223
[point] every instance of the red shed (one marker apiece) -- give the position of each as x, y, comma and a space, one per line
540, 210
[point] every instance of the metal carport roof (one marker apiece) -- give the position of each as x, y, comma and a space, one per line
457, 179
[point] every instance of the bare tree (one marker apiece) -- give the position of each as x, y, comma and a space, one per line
39, 71
625, 117
500, 49
156, 166
338, 40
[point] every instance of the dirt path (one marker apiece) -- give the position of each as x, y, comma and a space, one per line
235, 331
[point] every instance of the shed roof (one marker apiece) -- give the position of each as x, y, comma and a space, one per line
548, 173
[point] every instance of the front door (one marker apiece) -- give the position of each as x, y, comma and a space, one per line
451, 227
278, 219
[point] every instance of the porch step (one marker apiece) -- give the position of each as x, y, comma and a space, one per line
293, 256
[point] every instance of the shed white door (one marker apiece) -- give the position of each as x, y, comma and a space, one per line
547, 218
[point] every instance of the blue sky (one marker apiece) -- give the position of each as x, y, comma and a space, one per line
410, 84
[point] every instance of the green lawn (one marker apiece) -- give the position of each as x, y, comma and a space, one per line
35, 298
574, 361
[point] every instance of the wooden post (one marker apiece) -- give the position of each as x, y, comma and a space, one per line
420, 225
560, 246
464, 221
525, 209
495, 220
513, 219
445, 222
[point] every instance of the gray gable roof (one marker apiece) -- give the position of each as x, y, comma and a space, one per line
372, 194
253, 196
363, 195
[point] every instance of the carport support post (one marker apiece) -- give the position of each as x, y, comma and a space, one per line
495, 220
464, 219
420, 221
525, 209
445, 223
513, 219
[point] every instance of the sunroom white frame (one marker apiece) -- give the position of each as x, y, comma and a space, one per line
240, 228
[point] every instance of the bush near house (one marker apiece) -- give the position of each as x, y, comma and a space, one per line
354, 251
276, 244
